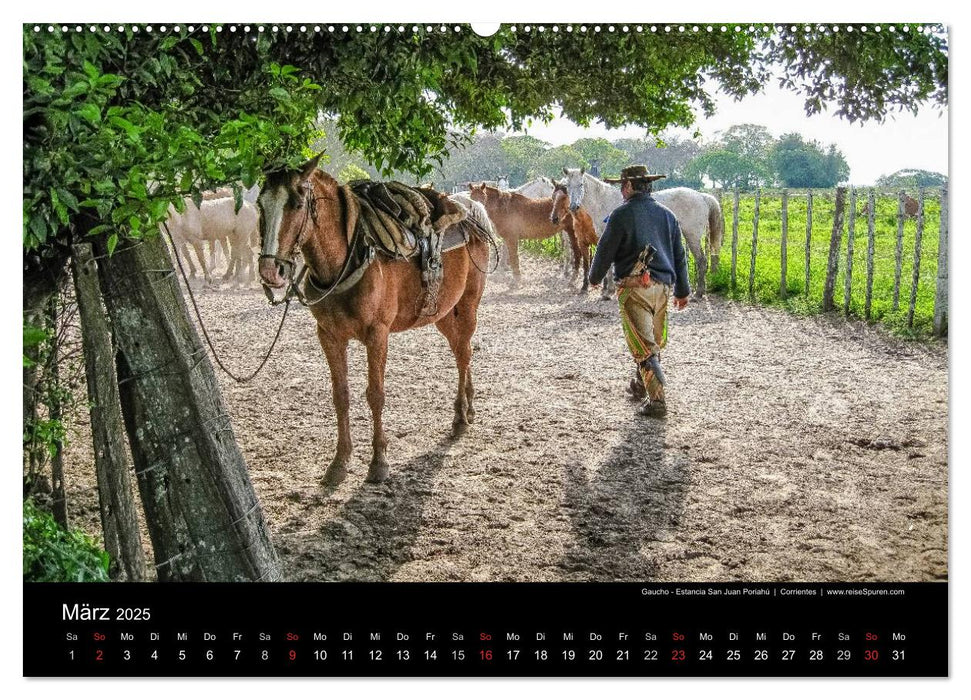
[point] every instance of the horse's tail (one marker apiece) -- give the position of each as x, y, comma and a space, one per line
716, 229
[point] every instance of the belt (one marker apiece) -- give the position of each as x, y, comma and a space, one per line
642, 280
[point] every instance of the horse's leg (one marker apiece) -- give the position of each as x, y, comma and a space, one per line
565, 258
377, 355
585, 254
514, 262
183, 249
336, 352
610, 286
701, 264
229, 252
201, 254
458, 327
577, 255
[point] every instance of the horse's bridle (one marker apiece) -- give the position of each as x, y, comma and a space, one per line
289, 265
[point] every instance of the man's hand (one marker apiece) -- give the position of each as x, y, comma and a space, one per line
680, 303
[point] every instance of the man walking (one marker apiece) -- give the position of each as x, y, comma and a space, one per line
643, 242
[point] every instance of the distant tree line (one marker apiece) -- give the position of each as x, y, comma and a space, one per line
745, 156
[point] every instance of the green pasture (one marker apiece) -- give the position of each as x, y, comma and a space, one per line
766, 286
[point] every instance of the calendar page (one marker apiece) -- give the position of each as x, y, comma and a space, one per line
514, 349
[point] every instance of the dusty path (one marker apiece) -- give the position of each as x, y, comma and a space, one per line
794, 449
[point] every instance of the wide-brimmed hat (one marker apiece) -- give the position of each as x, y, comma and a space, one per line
634, 172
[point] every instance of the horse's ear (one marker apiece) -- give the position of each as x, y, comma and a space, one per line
308, 168
564, 171
583, 170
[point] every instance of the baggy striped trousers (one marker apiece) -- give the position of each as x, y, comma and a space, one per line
643, 315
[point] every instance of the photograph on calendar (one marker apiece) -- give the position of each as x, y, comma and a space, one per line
332, 302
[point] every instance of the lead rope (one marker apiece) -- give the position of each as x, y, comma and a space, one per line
202, 326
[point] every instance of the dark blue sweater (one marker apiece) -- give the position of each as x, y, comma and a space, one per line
632, 226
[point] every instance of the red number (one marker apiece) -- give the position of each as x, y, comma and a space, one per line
677, 655
871, 654
99, 655
485, 654
293, 655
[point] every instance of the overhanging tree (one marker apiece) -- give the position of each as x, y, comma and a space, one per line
118, 126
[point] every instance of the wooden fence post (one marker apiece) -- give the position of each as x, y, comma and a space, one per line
850, 232
940, 298
755, 242
871, 221
734, 239
201, 510
900, 250
833, 263
116, 499
809, 233
915, 280
785, 235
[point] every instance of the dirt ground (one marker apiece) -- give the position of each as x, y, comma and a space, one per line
795, 449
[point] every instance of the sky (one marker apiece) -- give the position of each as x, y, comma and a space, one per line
903, 140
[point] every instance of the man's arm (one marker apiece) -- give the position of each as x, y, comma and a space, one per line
606, 249
681, 287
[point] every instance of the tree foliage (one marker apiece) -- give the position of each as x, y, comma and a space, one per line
724, 168
119, 124
912, 178
800, 163
54, 554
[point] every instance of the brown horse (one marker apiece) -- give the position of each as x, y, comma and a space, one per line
579, 226
517, 218
307, 210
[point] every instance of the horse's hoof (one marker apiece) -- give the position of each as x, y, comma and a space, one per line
377, 472
335, 474
470, 416
459, 428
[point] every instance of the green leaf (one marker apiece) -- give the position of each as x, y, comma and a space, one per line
91, 112
279, 93
38, 227
197, 45
67, 198
112, 243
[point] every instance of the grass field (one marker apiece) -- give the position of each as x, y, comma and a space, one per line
768, 266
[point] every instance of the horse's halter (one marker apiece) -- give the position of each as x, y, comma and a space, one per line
288, 265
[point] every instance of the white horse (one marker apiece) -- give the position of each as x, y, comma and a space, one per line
217, 220
538, 188
696, 212
477, 212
